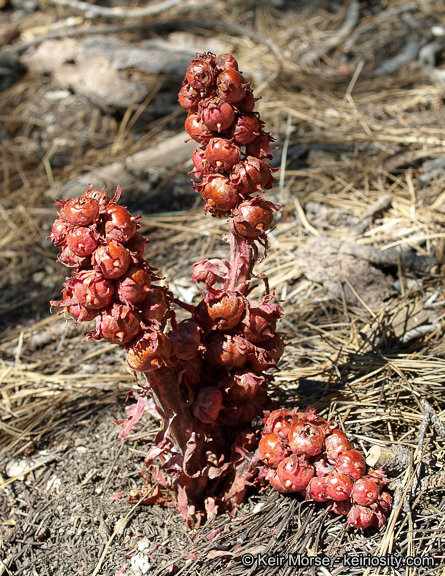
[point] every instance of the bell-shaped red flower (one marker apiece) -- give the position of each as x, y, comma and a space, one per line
117, 324
251, 175
220, 310
149, 352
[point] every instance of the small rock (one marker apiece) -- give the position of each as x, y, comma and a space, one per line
15, 467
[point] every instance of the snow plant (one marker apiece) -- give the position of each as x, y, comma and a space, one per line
207, 377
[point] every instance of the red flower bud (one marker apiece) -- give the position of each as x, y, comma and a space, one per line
118, 325
365, 491
322, 466
197, 129
351, 462
380, 516
59, 231
111, 260
216, 114
271, 450
338, 486
92, 291
200, 74
266, 355
79, 211
246, 128
247, 104
72, 306
208, 405
154, 307
361, 517
242, 384
100, 196
134, 285
378, 475
226, 351
251, 175
341, 507
199, 162
231, 86
306, 439
186, 340
81, 313
294, 473
82, 241
210, 271
222, 153
226, 62
71, 260
260, 146
136, 246
220, 194
335, 444
260, 321
220, 311
316, 489
280, 422
120, 225
189, 98
384, 502
254, 217
151, 351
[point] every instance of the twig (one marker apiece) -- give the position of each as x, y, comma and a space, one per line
431, 302
430, 416
416, 332
385, 15
379, 205
427, 54
438, 425
393, 65
8, 54
284, 157
119, 12
351, 20
112, 467
125, 171
4, 567
394, 459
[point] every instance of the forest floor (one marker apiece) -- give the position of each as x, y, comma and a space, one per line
354, 94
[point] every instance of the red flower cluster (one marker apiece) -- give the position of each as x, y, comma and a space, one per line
207, 377
306, 454
238, 335
112, 280
229, 164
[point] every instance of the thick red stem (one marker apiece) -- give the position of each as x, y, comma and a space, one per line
164, 388
181, 423
243, 254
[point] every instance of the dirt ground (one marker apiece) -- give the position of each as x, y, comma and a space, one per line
354, 94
